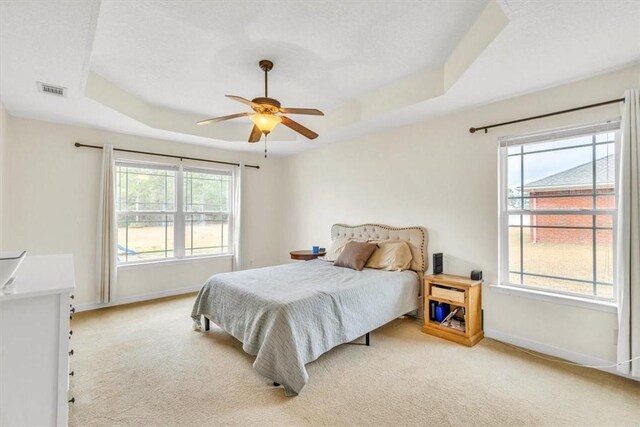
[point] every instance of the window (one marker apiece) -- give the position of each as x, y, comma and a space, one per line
558, 210
170, 212
206, 207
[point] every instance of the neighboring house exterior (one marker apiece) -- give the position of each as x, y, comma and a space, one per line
573, 189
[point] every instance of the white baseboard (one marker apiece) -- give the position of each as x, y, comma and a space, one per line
138, 298
550, 350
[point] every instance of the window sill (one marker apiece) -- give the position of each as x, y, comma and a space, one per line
606, 306
136, 265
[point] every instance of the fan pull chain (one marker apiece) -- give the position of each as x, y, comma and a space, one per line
265, 146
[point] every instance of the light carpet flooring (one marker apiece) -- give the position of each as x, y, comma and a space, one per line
143, 365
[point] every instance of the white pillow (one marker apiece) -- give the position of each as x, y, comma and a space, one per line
391, 255
337, 246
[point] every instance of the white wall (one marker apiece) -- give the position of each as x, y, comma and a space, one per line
438, 175
51, 204
4, 121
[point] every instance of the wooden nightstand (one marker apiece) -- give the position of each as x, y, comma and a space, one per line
305, 255
457, 291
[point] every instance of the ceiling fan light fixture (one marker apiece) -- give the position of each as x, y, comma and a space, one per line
265, 110
265, 122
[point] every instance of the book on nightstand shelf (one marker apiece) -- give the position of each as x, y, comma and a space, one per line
456, 324
447, 320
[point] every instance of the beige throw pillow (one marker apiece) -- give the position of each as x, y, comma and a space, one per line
355, 255
336, 248
391, 255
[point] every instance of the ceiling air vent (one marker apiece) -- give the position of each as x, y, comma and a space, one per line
51, 89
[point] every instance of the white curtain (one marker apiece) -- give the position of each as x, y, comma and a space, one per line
107, 227
238, 219
628, 242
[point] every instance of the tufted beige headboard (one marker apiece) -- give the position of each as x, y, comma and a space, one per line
416, 237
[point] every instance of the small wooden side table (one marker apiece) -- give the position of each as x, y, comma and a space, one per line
305, 255
457, 291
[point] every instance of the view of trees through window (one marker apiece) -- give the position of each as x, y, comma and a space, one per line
206, 206
153, 224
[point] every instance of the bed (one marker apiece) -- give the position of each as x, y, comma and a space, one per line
289, 315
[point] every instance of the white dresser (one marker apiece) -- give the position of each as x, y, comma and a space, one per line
34, 343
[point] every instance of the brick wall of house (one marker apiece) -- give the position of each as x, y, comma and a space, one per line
554, 235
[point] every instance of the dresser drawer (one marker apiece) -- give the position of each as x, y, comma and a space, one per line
455, 295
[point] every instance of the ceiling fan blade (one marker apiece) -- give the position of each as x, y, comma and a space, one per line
219, 119
255, 134
298, 128
244, 101
307, 111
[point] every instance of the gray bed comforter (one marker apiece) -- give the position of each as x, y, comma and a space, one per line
289, 315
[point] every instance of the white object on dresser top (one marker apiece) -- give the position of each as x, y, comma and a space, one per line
42, 275
9, 263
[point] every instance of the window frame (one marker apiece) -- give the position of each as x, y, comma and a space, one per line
179, 214
230, 202
504, 212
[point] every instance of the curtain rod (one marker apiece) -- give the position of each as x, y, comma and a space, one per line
555, 113
77, 144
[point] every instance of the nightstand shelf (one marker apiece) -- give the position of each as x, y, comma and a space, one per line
447, 329
457, 291
446, 301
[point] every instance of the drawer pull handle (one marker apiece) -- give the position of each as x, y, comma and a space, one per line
73, 310
70, 317
72, 296
72, 400
71, 374
71, 352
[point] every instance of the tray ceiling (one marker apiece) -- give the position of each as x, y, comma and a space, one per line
154, 68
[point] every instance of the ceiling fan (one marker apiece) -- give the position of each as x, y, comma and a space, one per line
268, 112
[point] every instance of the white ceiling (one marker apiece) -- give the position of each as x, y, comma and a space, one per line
184, 56
188, 55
